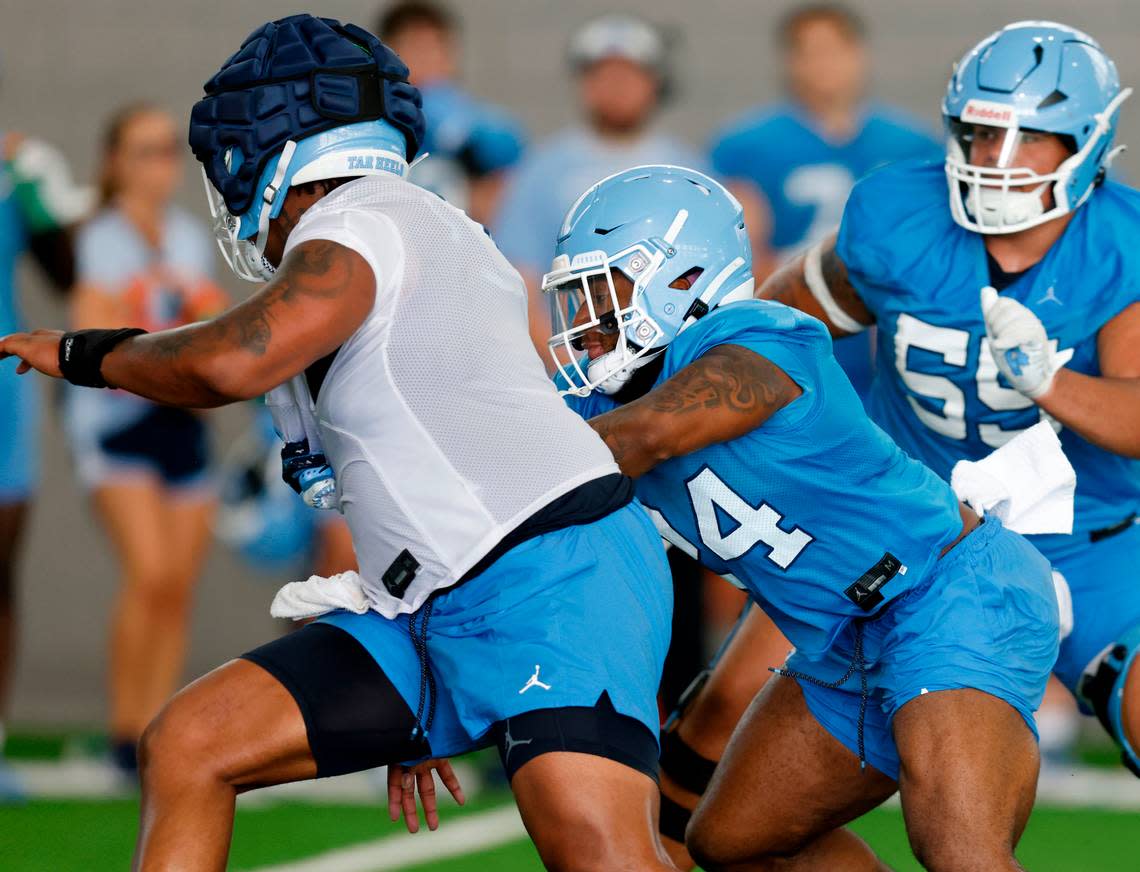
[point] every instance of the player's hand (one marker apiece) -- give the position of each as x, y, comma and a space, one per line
38, 351
1020, 347
403, 781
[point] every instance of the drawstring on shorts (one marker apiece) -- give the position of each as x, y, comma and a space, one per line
857, 663
419, 636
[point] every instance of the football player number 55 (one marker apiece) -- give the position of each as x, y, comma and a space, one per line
953, 347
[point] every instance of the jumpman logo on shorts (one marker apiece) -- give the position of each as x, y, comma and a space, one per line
534, 682
509, 742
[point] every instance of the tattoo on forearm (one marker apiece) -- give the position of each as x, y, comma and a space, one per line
732, 390
728, 377
313, 269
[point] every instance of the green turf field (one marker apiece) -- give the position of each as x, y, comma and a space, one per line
93, 834
90, 836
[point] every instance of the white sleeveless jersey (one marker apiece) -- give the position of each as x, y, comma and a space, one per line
437, 415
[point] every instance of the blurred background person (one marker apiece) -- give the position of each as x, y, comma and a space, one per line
470, 143
38, 202
806, 152
142, 261
620, 64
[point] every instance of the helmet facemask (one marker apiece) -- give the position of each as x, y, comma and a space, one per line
583, 299
1007, 198
242, 238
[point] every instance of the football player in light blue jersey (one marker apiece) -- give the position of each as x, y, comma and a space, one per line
1030, 112
924, 638
806, 152
471, 144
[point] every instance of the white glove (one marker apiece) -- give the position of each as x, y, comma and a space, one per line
1020, 347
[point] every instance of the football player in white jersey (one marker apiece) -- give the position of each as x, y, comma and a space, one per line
511, 591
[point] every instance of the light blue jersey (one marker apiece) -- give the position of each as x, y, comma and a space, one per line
805, 505
19, 401
806, 178
545, 184
815, 503
937, 391
464, 138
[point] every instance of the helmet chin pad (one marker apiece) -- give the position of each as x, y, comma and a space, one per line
612, 371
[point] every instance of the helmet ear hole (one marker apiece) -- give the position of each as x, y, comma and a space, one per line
687, 279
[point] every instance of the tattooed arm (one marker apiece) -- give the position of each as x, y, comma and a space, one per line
816, 282
727, 392
320, 295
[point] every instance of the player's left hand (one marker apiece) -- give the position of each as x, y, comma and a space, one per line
38, 351
403, 781
1019, 344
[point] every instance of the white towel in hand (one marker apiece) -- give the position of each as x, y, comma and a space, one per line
1028, 483
319, 596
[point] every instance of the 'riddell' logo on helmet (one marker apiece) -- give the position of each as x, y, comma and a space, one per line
989, 113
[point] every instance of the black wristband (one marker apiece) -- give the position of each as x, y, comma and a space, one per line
81, 354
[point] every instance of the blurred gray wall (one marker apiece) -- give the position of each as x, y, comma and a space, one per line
64, 66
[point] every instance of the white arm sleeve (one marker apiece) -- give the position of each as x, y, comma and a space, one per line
813, 277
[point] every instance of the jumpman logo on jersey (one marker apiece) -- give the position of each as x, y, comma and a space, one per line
1050, 296
509, 742
534, 682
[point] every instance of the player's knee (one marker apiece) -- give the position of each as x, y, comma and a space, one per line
725, 699
589, 843
177, 744
715, 842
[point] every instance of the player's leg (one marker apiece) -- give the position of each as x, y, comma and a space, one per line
271, 717
964, 665
1098, 660
705, 720
561, 643
588, 809
784, 789
967, 780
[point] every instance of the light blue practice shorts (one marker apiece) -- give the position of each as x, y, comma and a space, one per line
556, 621
1104, 582
986, 618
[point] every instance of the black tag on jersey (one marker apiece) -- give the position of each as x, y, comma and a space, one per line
865, 592
399, 575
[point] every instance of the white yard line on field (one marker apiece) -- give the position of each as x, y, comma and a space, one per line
454, 838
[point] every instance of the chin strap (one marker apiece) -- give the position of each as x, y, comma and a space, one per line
272, 191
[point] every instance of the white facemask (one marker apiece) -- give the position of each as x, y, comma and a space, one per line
994, 208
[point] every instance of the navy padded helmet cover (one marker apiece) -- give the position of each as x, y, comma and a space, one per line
293, 78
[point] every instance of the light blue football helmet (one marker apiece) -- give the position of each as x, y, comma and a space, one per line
654, 225
1029, 76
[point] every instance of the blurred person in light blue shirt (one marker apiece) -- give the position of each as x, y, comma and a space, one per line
470, 143
620, 64
806, 152
38, 203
